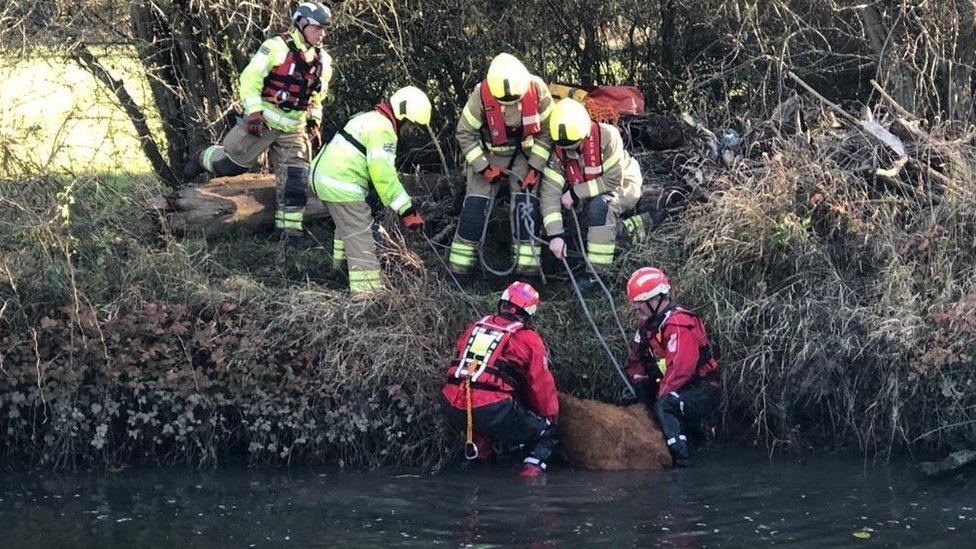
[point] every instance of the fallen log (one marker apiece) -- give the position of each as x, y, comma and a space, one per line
949, 464
249, 199
599, 436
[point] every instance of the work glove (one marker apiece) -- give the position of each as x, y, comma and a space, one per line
530, 180
255, 123
558, 247
412, 220
491, 172
567, 200
314, 135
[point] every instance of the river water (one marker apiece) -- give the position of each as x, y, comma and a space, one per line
732, 498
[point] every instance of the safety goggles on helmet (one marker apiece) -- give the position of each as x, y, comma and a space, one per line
569, 123
411, 104
507, 78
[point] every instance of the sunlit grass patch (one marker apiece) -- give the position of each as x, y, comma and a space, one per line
56, 117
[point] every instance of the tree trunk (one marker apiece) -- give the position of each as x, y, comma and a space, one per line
86, 59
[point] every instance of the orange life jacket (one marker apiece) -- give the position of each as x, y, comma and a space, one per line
592, 159
290, 85
495, 116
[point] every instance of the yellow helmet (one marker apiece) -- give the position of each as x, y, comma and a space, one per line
508, 79
411, 104
569, 123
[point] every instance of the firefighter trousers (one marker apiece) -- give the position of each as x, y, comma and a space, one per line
475, 212
288, 153
679, 410
357, 236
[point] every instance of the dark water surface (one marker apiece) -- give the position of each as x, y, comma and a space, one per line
731, 498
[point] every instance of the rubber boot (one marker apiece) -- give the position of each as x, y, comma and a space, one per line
588, 284
679, 451
530, 470
193, 167
290, 238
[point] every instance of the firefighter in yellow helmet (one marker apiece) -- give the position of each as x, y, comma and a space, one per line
362, 155
589, 168
281, 89
502, 128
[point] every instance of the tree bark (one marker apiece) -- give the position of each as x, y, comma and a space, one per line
86, 59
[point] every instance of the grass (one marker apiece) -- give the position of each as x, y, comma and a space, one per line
56, 118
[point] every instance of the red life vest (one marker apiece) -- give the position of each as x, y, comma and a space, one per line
290, 85
592, 159
706, 360
495, 116
479, 361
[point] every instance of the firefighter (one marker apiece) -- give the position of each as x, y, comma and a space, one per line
500, 130
589, 167
671, 363
360, 156
499, 387
282, 90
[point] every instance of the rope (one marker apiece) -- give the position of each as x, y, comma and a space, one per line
599, 336
481, 241
530, 223
457, 283
600, 111
599, 280
470, 448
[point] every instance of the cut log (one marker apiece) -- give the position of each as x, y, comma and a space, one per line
950, 464
249, 199
600, 436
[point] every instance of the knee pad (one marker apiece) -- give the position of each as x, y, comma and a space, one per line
529, 223
296, 181
597, 211
474, 215
225, 166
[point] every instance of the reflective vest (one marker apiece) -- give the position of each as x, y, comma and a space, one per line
495, 116
290, 85
480, 361
706, 359
592, 159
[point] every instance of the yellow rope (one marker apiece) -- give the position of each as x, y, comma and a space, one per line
470, 448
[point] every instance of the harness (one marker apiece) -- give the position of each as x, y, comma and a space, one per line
479, 367
592, 153
385, 110
479, 364
290, 85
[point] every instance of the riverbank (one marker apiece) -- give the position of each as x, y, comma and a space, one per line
842, 310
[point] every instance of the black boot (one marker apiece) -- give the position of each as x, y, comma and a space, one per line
193, 167
291, 238
678, 447
588, 284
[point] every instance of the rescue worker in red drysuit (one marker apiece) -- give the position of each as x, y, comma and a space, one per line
500, 380
671, 363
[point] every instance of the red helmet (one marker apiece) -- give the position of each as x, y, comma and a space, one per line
646, 283
523, 296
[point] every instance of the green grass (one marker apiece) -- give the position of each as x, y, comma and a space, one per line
55, 117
